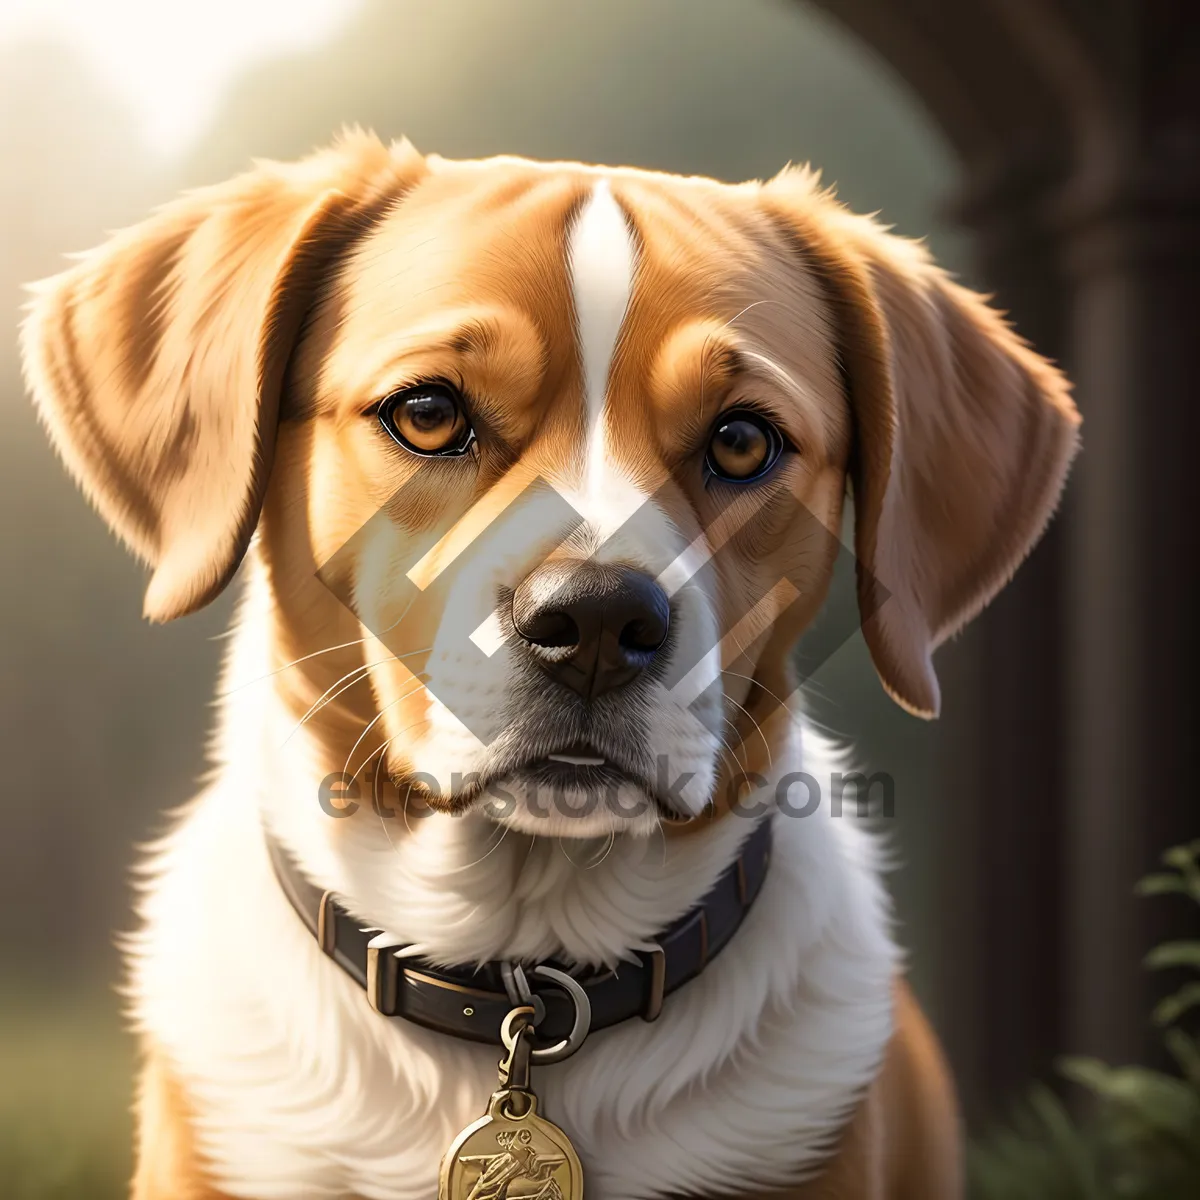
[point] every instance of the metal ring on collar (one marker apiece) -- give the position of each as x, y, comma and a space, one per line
509, 1035
579, 1029
519, 991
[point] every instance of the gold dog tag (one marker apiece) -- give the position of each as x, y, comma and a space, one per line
511, 1154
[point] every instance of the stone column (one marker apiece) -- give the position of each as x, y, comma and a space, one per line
1131, 230
1002, 740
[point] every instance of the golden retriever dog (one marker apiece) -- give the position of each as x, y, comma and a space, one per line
534, 473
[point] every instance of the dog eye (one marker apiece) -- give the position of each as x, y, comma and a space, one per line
428, 419
743, 447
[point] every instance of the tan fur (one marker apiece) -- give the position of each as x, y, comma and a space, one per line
158, 360
903, 1142
169, 1167
949, 402
213, 371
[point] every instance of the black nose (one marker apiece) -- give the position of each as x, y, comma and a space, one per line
592, 626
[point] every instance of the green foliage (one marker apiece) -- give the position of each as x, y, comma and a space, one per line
1141, 1140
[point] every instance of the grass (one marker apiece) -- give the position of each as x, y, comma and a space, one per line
66, 1071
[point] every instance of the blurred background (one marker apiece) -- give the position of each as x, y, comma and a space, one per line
1049, 150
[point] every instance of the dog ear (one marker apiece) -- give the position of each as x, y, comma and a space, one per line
963, 435
156, 363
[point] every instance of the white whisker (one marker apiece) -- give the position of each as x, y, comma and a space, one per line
751, 680
608, 849
326, 697
503, 834
708, 337
729, 748
328, 650
758, 728
374, 720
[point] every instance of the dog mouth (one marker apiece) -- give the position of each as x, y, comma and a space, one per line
579, 766
580, 757
576, 778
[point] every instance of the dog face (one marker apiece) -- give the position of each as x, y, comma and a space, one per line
582, 351
549, 459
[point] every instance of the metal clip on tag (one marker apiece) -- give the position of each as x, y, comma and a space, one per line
511, 1152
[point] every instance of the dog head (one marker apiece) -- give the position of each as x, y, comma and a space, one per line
547, 462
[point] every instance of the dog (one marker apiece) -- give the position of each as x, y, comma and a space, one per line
535, 472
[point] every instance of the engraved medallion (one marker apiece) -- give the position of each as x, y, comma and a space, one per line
511, 1154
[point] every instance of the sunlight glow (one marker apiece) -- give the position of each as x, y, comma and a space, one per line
170, 60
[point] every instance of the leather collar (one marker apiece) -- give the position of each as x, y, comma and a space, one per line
471, 1002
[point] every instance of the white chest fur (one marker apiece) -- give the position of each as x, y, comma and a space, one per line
300, 1090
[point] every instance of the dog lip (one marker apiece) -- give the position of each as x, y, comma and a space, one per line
561, 767
578, 760
580, 754
558, 769
553, 773
576, 763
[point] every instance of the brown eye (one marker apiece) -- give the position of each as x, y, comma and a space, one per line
428, 419
743, 447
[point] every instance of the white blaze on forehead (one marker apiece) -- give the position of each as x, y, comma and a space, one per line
602, 260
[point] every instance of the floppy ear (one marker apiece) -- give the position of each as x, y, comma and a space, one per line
963, 435
157, 361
